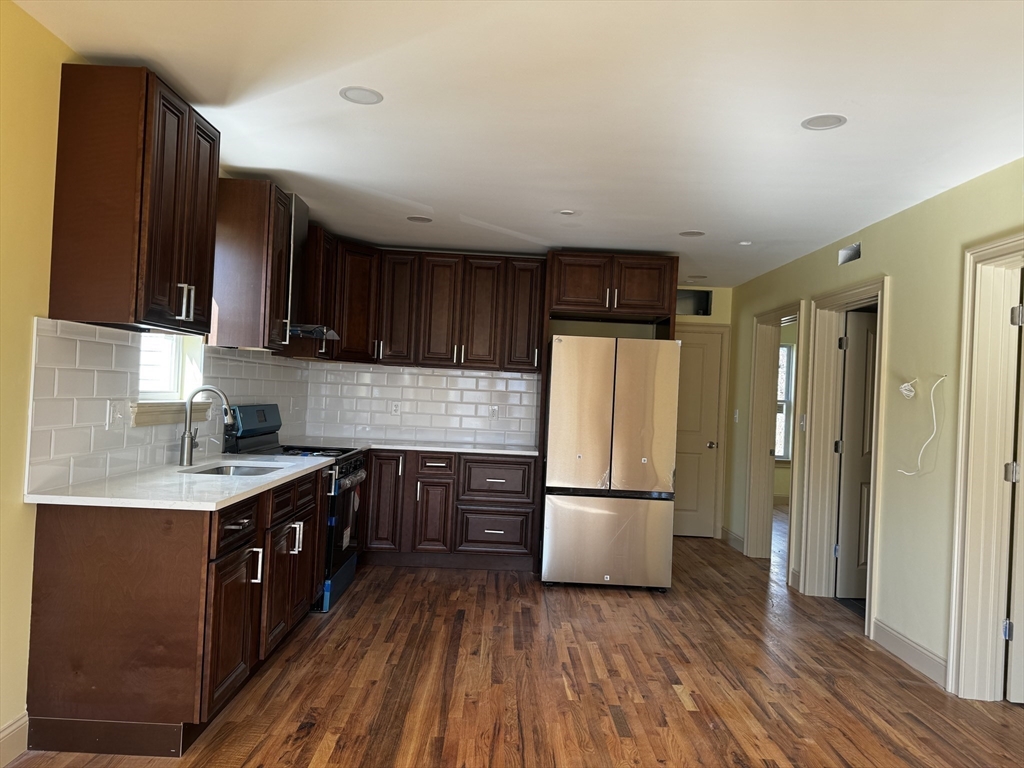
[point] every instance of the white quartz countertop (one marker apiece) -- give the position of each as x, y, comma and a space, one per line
174, 487
410, 445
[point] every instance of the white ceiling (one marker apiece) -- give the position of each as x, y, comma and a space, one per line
646, 118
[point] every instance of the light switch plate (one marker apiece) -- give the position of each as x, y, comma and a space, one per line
116, 410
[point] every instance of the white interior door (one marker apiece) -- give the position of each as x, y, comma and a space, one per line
855, 459
1015, 652
697, 438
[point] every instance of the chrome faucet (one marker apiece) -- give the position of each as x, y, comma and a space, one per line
188, 437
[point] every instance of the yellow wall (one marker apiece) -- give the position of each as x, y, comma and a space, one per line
921, 248
30, 59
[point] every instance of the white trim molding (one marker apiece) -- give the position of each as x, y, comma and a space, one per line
730, 538
13, 739
917, 656
985, 434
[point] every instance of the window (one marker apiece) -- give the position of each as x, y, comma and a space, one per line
784, 411
170, 366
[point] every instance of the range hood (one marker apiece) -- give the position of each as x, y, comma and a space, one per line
307, 331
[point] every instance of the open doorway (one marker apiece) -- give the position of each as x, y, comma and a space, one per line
858, 346
785, 422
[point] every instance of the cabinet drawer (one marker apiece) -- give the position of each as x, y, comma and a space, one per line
283, 504
491, 529
234, 527
436, 464
305, 491
497, 480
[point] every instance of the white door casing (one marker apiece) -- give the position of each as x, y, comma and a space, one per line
855, 458
1015, 650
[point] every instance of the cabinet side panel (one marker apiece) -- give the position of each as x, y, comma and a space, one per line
96, 202
117, 611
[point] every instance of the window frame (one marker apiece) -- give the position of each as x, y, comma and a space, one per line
177, 373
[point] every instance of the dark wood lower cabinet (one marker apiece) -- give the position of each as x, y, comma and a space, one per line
386, 501
432, 522
232, 626
146, 622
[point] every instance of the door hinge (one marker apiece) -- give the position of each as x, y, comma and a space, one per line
1017, 315
1007, 629
844, 342
838, 447
1011, 472
835, 551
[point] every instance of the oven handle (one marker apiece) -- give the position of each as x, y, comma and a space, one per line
351, 481
332, 475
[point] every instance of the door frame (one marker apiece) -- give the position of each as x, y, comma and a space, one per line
824, 413
981, 540
764, 367
725, 331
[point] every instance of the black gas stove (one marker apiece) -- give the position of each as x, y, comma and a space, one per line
255, 431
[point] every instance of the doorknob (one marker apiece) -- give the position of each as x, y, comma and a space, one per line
712, 444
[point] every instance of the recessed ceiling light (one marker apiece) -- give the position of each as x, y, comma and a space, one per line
419, 219
692, 233
823, 122
357, 94
698, 277
567, 212
745, 242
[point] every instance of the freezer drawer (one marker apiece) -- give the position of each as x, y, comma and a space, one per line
589, 540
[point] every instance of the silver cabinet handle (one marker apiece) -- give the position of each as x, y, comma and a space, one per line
380, 350
298, 538
239, 526
418, 490
535, 351
490, 531
184, 302
302, 535
615, 303
494, 480
323, 345
400, 462
259, 566
332, 473
287, 330
607, 297
712, 444
191, 303
455, 354
463, 354
436, 464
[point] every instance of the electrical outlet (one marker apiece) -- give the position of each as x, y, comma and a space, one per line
396, 408
116, 410
492, 412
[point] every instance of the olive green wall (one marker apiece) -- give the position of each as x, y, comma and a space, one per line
921, 249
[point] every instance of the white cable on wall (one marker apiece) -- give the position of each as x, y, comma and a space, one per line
935, 423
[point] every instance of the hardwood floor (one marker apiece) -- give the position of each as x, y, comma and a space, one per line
468, 668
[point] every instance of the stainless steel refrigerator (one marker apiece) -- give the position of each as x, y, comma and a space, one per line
611, 461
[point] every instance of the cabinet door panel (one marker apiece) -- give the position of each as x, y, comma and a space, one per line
482, 312
384, 512
329, 315
278, 284
581, 282
399, 271
523, 314
232, 628
302, 570
441, 294
201, 225
165, 180
432, 529
357, 303
277, 586
645, 286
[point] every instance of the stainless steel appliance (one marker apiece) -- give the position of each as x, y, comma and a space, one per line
611, 461
255, 431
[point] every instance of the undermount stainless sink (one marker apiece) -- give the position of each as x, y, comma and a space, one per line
235, 469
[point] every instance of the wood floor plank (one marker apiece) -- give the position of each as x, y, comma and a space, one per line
419, 668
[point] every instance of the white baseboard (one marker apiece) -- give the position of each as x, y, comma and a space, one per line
730, 538
13, 739
794, 579
917, 656
780, 501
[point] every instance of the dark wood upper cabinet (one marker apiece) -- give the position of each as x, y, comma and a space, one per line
612, 284
441, 295
435, 510
482, 316
232, 628
357, 303
644, 286
386, 501
314, 277
581, 282
134, 202
524, 302
399, 272
251, 274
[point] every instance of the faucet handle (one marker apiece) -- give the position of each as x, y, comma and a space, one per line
195, 437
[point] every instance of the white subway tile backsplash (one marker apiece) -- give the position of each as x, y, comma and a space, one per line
112, 383
96, 354
90, 412
53, 413
107, 439
54, 351
39, 444
72, 442
74, 382
91, 466
44, 382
